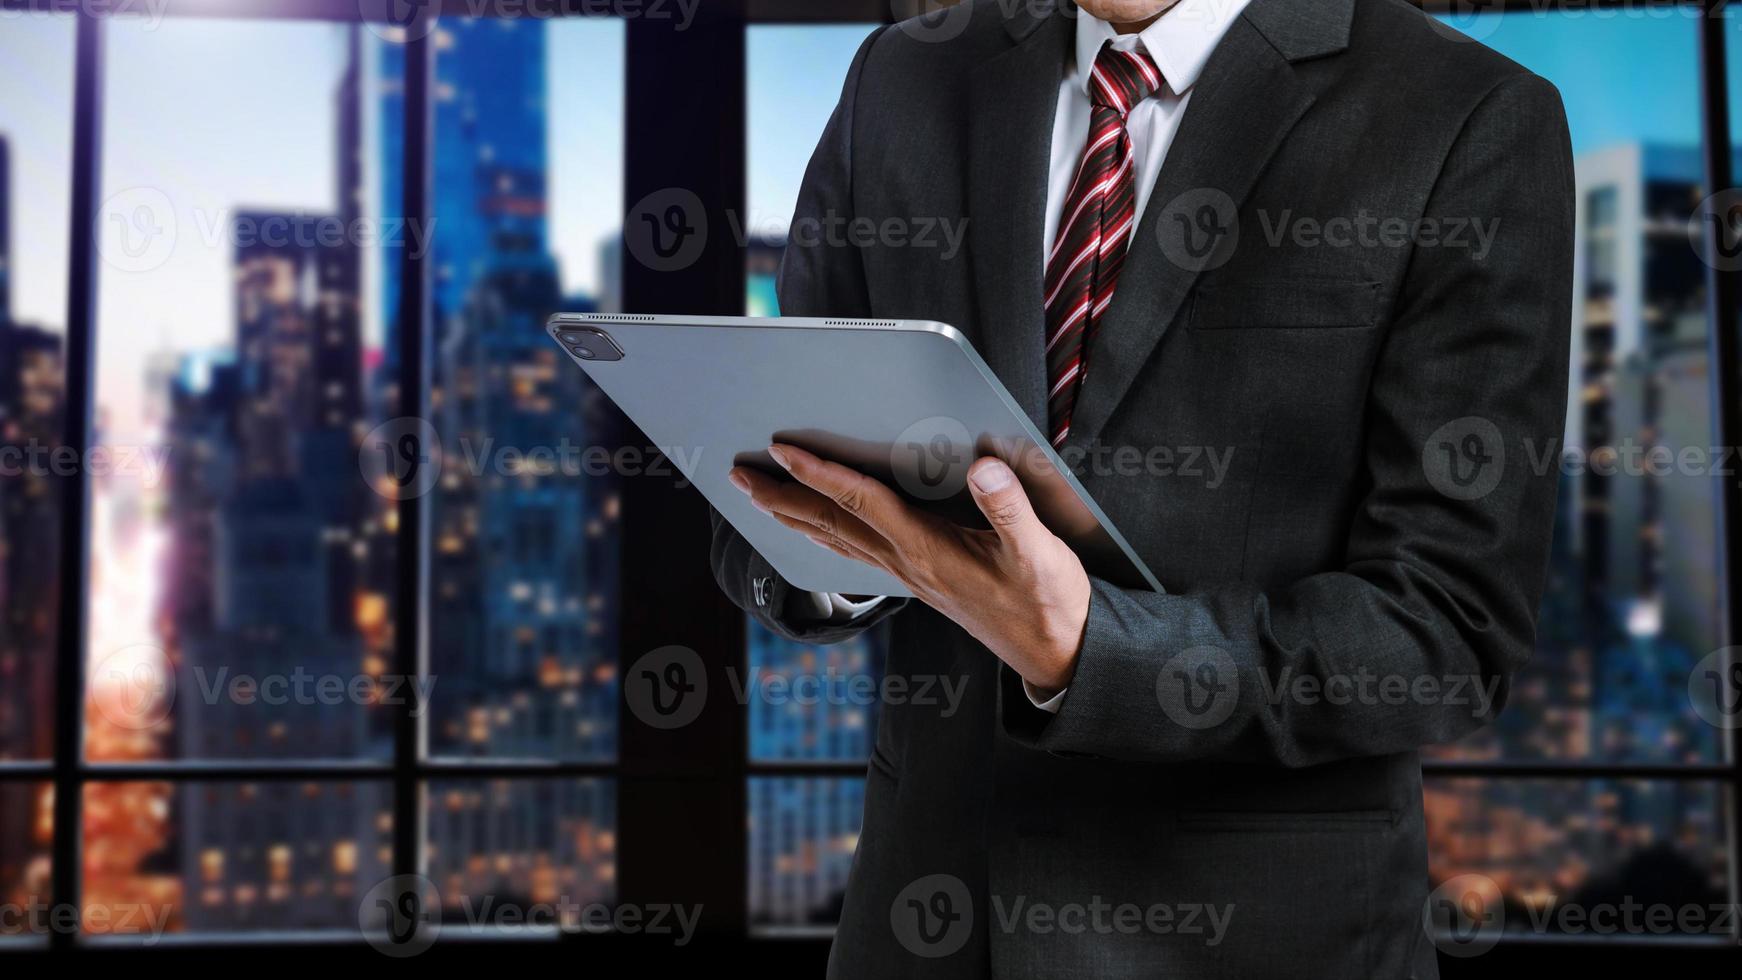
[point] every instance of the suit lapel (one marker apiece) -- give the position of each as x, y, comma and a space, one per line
1243, 105
1014, 97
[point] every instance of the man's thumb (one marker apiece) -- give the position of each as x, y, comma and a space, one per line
1002, 500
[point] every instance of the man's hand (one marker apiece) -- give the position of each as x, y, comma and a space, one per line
1016, 588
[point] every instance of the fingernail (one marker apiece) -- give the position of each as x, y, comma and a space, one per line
780, 457
738, 481
819, 542
990, 477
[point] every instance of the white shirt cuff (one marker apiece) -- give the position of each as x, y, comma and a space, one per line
1050, 705
839, 606
832, 607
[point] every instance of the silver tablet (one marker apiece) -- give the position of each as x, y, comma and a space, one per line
906, 401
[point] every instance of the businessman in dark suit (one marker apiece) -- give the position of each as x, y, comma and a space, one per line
1324, 239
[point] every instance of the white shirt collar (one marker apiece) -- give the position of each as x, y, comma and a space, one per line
1180, 40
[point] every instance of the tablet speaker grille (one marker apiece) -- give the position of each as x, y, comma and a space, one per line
617, 317
858, 323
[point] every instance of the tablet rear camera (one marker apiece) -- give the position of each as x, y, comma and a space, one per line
591, 345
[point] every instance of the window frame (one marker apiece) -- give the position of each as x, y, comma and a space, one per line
706, 767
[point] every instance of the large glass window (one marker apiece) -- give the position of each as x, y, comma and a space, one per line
236, 565
25, 857
527, 203
36, 54
1563, 853
507, 853
1632, 600
1633, 605
244, 625
241, 591
802, 832
219, 857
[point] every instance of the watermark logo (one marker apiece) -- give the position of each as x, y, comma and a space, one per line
1465, 915
1199, 687
932, 21
667, 687
930, 458
136, 229
400, 20
1464, 458
400, 916
134, 687
401, 458
667, 230
1199, 230
1719, 215
1715, 688
933, 916
1467, 20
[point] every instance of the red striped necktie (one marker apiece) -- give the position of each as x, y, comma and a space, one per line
1093, 229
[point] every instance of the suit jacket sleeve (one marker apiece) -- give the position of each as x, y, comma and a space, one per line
1437, 596
816, 279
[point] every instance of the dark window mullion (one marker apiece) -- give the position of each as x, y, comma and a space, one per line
75, 489
1717, 774
1724, 314
682, 820
1714, 772
414, 399
25, 771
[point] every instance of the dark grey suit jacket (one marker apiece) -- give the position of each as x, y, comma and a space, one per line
1373, 553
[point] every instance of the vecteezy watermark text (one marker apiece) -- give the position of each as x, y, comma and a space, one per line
36, 916
834, 230
569, 458
841, 688
1365, 229
1100, 917
39, 459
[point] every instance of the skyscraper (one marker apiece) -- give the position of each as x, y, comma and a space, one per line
31, 403
523, 556
267, 514
1641, 382
1631, 600
489, 158
339, 311
5, 230
32, 398
523, 567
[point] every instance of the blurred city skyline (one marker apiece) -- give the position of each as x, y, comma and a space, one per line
522, 597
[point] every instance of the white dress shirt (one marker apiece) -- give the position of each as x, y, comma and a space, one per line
1180, 42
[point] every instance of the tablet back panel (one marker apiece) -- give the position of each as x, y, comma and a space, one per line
907, 401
